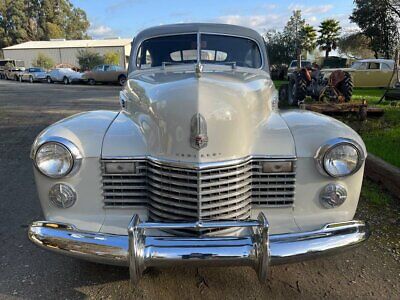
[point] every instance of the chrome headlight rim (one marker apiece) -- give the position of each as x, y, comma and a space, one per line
67, 145
333, 143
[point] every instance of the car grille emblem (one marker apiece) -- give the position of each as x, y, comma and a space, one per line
198, 128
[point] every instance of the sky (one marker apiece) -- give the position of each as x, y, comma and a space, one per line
125, 18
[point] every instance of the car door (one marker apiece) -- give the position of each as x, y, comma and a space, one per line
373, 77
108, 73
386, 74
98, 73
360, 74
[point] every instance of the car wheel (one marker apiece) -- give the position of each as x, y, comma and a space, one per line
91, 81
30, 79
65, 80
297, 90
122, 80
48, 79
283, 95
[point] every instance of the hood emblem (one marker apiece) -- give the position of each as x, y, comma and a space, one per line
198, 130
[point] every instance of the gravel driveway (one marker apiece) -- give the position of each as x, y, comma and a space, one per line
370, 271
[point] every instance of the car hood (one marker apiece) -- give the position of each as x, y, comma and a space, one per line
219, 114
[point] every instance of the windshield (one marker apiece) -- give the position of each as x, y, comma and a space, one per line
304, 63
183, 49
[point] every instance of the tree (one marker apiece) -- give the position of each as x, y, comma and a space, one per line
24, 20
111, 58
296, 37
88, 59
277, 48
293, 34
308, 38
379, 21
43, 61
355, 45
329, 31
12, 22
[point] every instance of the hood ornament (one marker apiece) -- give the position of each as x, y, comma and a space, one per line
198, 130
198, 69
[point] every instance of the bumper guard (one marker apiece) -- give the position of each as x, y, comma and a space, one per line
140, 251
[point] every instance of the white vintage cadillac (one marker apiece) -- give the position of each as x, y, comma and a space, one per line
199, 167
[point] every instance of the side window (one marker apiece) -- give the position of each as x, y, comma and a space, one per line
107, 68
385, 67
374, 66
361, 66
143, 60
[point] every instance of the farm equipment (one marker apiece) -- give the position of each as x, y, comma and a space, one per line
337, 88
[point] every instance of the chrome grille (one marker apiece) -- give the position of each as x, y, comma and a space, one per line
272, 189
187, 194
125, 190
173, 193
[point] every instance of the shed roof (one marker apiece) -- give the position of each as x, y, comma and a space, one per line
71, 44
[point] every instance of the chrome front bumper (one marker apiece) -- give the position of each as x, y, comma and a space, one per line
140, 251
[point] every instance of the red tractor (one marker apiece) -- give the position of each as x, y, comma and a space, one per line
336, 88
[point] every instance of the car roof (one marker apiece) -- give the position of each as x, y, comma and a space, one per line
377, 60
198, 27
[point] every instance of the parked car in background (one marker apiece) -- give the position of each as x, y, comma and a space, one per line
6, 64
106, 73
369, 72
293, 66
14, 73
33, 75
199, 167
65, 75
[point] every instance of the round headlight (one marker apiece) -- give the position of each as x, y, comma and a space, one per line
54, 160
341, 157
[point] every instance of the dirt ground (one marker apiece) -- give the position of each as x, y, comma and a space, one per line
371, 271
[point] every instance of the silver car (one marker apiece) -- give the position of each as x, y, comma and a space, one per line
33, 75
199, 167
64, 75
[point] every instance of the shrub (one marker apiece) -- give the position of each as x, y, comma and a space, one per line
111, 58
88, 59
43, 61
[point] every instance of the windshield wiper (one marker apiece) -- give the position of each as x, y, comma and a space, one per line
231, 63
169, 63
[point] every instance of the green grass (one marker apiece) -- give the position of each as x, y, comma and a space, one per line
375, 194
371, 95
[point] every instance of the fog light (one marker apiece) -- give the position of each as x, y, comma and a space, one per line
333, 195
62, 195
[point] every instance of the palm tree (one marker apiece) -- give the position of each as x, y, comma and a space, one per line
308, 38
329, 35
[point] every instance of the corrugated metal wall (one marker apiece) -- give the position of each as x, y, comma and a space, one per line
64, 55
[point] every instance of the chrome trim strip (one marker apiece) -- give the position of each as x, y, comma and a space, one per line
321, 152
137, 250
200, 165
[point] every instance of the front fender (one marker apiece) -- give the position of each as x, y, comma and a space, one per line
86, 131
310, 130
